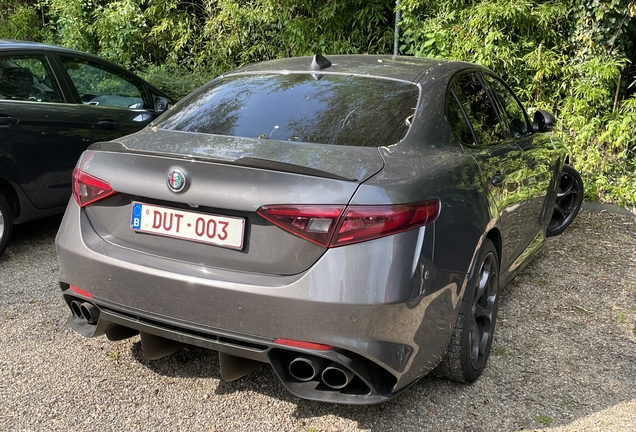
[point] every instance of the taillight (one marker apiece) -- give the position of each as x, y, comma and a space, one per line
88, 189
362, 223
315, 223
333, 226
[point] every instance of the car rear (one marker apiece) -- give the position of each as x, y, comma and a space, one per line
228, 224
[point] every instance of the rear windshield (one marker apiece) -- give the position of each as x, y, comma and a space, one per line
328, 109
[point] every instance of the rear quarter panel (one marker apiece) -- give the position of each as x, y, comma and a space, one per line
447, 172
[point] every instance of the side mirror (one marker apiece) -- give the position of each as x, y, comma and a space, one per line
161, 104
543, 121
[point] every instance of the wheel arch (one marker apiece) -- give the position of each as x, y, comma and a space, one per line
494, 235
7, 190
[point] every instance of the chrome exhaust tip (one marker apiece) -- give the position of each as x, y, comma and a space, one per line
306, 368
337, 377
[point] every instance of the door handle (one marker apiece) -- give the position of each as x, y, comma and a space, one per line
497, 179
7, 121
108, 124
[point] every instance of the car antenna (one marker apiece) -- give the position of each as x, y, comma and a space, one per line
319, 63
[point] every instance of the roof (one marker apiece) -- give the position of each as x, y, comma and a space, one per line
15, 44
405, 68
10, 45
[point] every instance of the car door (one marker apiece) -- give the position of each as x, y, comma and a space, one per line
114, 102
476, 122
539, 154
42, 132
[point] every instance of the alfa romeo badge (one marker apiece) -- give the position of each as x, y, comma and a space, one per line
176, 180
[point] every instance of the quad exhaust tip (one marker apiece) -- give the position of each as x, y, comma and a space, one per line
86, 311
305, 368
337, 377
76, 309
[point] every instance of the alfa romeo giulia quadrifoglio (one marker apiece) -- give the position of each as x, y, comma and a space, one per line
347, 220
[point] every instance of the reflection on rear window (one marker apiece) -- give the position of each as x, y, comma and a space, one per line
340, 110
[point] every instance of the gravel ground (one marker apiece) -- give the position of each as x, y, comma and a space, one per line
564, 357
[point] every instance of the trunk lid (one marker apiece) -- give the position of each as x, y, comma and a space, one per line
355, 164
227, 177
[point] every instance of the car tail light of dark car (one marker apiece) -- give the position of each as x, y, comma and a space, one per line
88, 189
333, 226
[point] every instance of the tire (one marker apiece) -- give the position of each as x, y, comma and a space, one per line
568, 201
6, 227
469, 347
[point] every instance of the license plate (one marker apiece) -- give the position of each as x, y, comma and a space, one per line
199, 227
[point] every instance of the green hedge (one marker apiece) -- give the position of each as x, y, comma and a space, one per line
572, 57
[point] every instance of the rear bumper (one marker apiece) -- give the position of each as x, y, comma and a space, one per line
382, 306
240, 354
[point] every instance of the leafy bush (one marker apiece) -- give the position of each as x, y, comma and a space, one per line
573, 57
176, 81
22, 22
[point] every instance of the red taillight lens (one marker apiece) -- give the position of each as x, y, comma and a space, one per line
314, 223
333, 226
302, 344
362, 223
80, 291
88, 189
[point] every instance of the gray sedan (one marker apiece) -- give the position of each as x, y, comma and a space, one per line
348, 221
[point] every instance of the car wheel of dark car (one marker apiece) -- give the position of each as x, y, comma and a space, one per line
5, 224
468, 351
568, 202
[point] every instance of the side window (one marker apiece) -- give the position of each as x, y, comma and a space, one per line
28, 78
98, 85
517, 123
457, 121
478, 108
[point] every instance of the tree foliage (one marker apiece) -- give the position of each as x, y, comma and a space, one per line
572, 57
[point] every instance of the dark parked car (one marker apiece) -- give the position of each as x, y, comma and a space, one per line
348, 221
55, 102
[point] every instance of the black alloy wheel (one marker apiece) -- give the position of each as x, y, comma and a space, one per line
5, 224
483, 312
468, 350
568, 201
